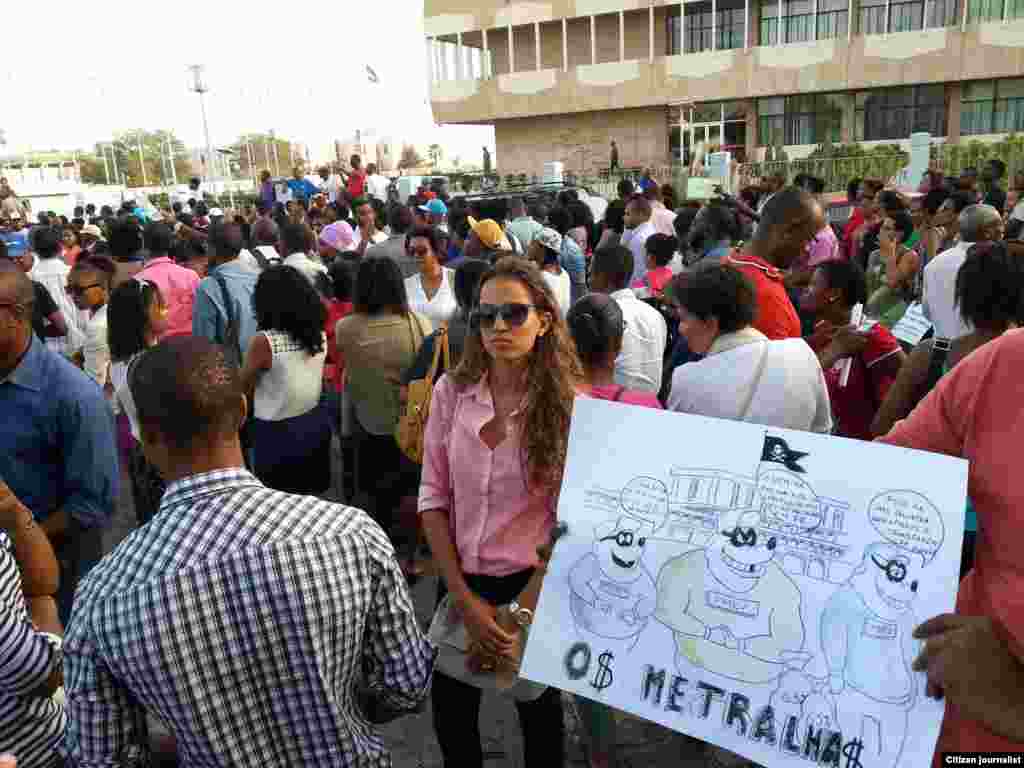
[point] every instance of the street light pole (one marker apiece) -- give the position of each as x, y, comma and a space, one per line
142, 160
199, 86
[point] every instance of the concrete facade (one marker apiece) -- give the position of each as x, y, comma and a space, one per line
603, 68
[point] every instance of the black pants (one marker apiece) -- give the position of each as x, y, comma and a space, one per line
385, 475
456, 705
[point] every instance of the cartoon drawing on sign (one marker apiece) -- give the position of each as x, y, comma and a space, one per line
800, 700
734, 611
612, 592
866, 636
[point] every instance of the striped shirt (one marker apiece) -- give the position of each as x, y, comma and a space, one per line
31, 727
245, 620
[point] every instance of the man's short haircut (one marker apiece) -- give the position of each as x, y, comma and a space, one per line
904, 224
719, 291
46, 242
295, 238
226, 239
626, 189
467, 282
23, 293
853, 188
642, 204
785, 207
616, 262
890, 200
400, 219
974, 219
185, 388
158, 238
934, 199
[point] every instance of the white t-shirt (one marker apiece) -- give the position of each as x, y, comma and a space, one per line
939, 292
291, 387
378, 237
636, 241
639, 364
95, 348
788, 391
305, 265
560, 286
123, 394
377, 186
442, 306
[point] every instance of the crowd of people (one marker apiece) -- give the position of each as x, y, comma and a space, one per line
215, 356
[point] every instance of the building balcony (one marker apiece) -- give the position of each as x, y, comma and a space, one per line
972, 51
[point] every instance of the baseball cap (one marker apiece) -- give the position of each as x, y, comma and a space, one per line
490, 234
550, 239
436, 207
92, 229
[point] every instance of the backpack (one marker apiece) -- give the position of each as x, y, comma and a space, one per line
412, 424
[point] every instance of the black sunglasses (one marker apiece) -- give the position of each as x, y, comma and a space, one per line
746, 537
895, 571
625, 539
78, 290
513, 315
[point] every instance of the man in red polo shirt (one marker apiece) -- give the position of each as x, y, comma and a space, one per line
789, 221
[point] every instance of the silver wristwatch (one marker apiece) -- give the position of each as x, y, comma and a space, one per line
522, 616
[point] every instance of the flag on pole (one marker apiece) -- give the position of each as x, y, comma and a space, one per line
371, 75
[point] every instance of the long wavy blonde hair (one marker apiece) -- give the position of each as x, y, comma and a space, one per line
552, 374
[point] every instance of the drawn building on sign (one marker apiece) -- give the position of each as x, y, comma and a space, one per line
698, 497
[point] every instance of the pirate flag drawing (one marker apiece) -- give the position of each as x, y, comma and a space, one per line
777, 451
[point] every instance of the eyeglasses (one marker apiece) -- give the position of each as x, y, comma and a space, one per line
895, 571
79, 290
625, 539
513, 315
746, 537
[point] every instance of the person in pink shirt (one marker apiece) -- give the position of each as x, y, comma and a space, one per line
974, 657
177, 283
495, 447
661, 249
661, 217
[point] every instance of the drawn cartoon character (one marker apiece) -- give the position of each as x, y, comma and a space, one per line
612, 590
800, 696
866, 635
735, 612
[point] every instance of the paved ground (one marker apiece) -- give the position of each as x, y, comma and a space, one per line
412, 739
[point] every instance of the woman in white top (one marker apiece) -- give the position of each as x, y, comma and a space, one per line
743, 376
431, 293
137, 318
89, 285
544, 251
284, 368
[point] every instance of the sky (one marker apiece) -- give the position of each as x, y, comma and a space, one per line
300, 69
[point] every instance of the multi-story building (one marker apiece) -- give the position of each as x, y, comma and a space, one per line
562, 79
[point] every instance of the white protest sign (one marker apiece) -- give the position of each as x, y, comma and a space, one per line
912, 327
752, 587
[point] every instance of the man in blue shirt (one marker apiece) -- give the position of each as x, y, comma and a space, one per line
223, 311
302, 187
58, 452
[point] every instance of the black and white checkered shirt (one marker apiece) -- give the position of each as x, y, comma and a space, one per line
245, 619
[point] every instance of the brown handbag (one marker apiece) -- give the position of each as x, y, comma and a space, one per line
412, 424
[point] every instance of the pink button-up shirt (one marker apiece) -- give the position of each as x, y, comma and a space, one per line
497, 524
178, 286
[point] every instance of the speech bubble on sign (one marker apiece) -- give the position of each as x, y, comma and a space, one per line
646, 498
909, 521
787, 501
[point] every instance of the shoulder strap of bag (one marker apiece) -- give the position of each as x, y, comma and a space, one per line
440, 339
231, 334
937, 363
757, 381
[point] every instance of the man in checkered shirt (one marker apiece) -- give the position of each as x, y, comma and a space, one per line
251, 623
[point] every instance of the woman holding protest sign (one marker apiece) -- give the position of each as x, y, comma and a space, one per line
496, 442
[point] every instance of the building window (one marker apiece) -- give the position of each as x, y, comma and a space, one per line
808, 119
992, 106
906, 15
945, 13
895, 113
797, 22
833, 19
727, 26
